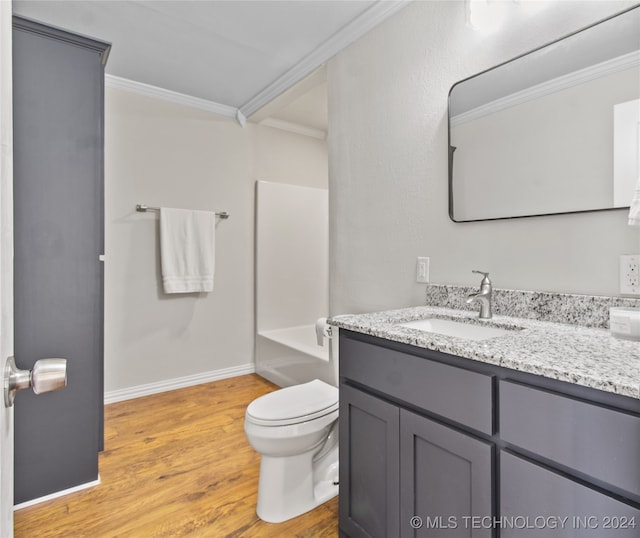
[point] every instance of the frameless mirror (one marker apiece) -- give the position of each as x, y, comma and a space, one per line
556, 130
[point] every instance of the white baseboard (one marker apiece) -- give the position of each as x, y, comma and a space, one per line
57, 494
177, 383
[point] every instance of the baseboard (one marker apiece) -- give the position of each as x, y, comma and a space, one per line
177, 383
57, 494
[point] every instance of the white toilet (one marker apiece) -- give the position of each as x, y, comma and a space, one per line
295, 430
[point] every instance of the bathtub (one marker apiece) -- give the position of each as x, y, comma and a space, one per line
291, 355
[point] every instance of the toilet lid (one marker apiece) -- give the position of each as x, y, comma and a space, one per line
305, 402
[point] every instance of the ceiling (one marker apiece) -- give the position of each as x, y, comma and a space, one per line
240, 54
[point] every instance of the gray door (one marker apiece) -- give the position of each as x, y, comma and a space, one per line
445, 478
369, 465
58, 219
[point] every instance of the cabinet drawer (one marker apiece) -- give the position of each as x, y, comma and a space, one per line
536, 502
459, 395
600, 442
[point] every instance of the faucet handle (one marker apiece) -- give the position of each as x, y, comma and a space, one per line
485, 280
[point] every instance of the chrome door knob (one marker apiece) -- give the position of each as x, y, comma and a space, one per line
47, 375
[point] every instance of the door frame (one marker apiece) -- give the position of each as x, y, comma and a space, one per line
6, 260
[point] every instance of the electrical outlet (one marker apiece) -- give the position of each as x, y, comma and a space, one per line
630, 274
422, 270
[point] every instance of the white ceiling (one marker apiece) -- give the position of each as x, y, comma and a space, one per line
241, 54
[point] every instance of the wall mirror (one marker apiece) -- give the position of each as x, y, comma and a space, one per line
556, 130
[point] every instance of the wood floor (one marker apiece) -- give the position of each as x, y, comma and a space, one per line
175, 464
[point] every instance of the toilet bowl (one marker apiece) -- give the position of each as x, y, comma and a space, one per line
295, 430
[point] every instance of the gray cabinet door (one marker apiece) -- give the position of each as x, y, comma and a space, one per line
58, 206
536, 502
445, 477
369, 467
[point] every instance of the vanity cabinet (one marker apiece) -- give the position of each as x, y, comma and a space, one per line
401, 472
476, 450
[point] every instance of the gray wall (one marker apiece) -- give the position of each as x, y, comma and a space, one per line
388, 167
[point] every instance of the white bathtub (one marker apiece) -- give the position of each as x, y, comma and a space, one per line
291, 355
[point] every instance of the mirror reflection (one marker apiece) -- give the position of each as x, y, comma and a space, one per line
553, 131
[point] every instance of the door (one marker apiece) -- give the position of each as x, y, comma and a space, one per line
6, 266
445, 481
369, 465
58, 82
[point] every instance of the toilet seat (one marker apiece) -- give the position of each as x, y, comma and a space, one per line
293, 405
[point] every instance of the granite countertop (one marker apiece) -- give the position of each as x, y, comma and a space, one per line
586, 356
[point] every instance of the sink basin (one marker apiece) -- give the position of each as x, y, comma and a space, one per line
458, 329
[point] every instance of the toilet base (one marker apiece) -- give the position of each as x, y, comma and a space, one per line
288, 487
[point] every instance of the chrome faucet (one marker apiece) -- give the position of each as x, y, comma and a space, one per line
484, 296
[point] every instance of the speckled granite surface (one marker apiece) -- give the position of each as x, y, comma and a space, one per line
586, 310
586, 356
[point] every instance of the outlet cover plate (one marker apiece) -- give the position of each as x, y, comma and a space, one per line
630, 274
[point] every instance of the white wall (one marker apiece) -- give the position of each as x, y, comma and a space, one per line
164, 154
388, 167
6, 262
285, 157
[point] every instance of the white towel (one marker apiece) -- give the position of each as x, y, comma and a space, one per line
634, 210
187, 250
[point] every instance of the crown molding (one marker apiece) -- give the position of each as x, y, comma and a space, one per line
111, 81
294, 128
626, 61
30, 25
373, 16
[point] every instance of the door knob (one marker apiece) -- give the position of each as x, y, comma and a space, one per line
47, 375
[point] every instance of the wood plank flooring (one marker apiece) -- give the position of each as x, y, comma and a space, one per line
175, 464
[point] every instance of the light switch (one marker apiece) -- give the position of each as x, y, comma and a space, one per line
422, 270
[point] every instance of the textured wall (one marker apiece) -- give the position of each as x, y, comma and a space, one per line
388, 167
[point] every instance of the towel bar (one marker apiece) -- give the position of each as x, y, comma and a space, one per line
142, 208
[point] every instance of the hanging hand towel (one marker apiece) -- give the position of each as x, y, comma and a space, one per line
634, 210
187, 250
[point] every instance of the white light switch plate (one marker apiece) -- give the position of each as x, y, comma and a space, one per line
630, 274
422, 270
